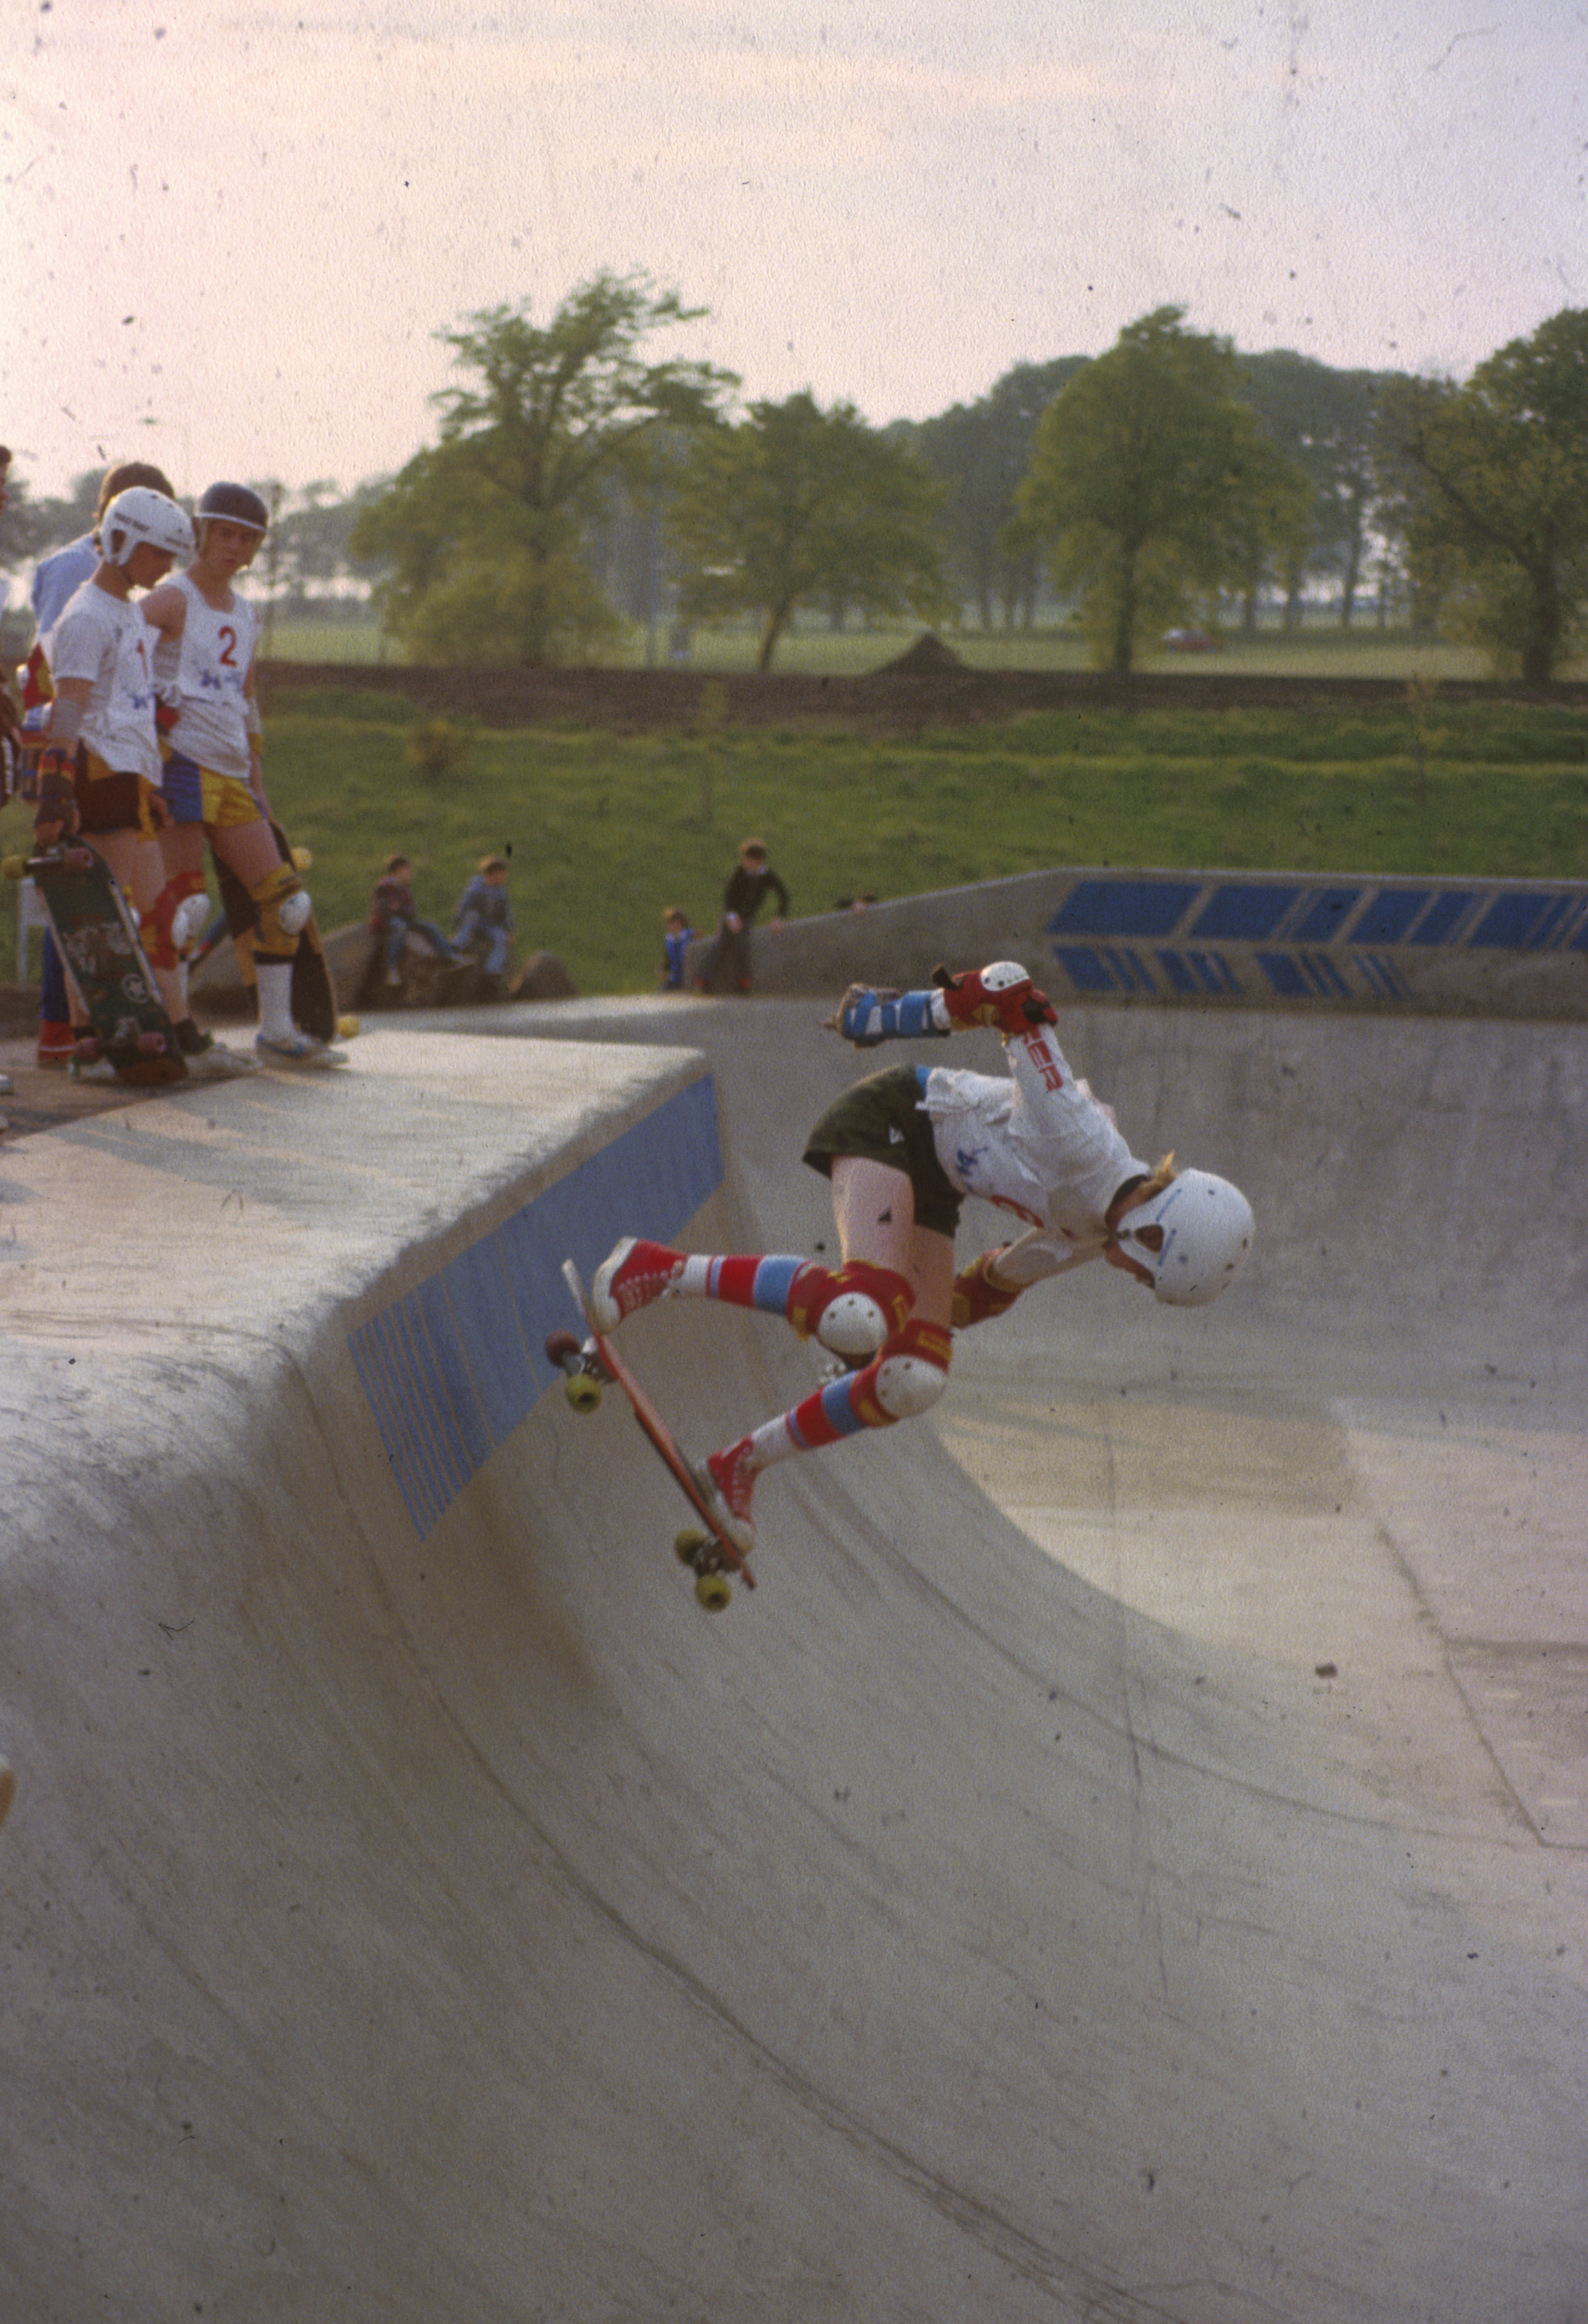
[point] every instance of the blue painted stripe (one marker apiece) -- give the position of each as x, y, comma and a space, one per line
1326, 915
1283, 972
1389, 915
451, 1368
1124, 907
1243, 914
1178, 974
1443, 914
1512, 923
1085, 967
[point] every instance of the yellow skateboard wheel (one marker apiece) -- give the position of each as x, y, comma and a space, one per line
713, 1591
688, 1545
347, 1028
582, 1392
14, 866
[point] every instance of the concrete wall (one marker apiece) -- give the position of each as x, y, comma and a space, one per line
1234, 939
416, 1911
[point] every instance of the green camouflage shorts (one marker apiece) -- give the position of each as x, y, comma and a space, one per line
884, 1120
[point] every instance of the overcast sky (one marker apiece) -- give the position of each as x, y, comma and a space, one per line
232, 231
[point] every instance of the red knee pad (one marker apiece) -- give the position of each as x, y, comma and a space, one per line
850, 1309
909, 1373
155, 931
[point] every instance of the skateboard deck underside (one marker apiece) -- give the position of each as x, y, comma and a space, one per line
96, 936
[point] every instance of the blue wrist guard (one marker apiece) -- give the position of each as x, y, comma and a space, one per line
870, 1018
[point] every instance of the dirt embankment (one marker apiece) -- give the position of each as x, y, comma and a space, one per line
920, 689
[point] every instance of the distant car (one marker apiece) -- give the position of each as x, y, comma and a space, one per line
1193, 641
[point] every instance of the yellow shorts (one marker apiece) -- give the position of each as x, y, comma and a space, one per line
227, 802
197, 794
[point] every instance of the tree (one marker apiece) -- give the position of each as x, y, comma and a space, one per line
1493, 478
1323, 421
314, 538
797, 506
483, 531
982, 452
1147, 475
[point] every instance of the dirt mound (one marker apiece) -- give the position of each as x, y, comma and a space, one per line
925, 659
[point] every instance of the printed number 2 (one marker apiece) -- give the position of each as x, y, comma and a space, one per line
228, 648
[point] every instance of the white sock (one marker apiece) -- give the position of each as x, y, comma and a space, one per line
275, 999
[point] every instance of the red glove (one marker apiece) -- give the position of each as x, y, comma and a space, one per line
1002, 996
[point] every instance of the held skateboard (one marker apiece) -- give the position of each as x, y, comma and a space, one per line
99, 941
592, 1364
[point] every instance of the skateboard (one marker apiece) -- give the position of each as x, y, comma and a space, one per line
7, 1789
592, 1365
314, 994
99, 941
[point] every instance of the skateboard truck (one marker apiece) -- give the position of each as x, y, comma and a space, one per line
586, 1378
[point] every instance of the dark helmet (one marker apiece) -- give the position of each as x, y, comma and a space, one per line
235, 505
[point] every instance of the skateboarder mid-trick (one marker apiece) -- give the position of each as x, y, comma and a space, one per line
903, 1148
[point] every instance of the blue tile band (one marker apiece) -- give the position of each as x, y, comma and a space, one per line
1251, 939
451, 1368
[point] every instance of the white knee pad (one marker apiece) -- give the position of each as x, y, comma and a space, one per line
907, 1386
189, 920
853, 1326
294, 915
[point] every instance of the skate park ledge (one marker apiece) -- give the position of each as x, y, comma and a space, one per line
1242, 939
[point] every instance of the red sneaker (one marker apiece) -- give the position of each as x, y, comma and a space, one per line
733, 1481
57, 1043
631, 1275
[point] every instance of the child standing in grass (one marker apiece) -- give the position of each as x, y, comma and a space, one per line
676, 935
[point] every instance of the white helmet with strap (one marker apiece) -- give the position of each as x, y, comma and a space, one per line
143, 514
1204, 1233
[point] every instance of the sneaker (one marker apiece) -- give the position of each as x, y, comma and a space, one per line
192, 1040
57, 1043
219, 1064
729, 1481
92, 1069
296, 1049
633, 1275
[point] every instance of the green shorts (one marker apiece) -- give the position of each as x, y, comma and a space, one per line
883, 1120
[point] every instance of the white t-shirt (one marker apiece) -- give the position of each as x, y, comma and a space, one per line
218, 653
1036, 1144
108, 641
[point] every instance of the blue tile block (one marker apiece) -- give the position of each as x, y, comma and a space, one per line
1389, 915
1446, 909
1144, 909
1244, 914
1326, 915
1085, 967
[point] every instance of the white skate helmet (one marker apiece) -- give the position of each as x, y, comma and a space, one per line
1204, 1233
143, 514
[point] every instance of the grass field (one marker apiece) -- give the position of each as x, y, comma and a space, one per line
605, 830
1318, 649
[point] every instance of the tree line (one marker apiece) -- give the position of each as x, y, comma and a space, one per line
580, 476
